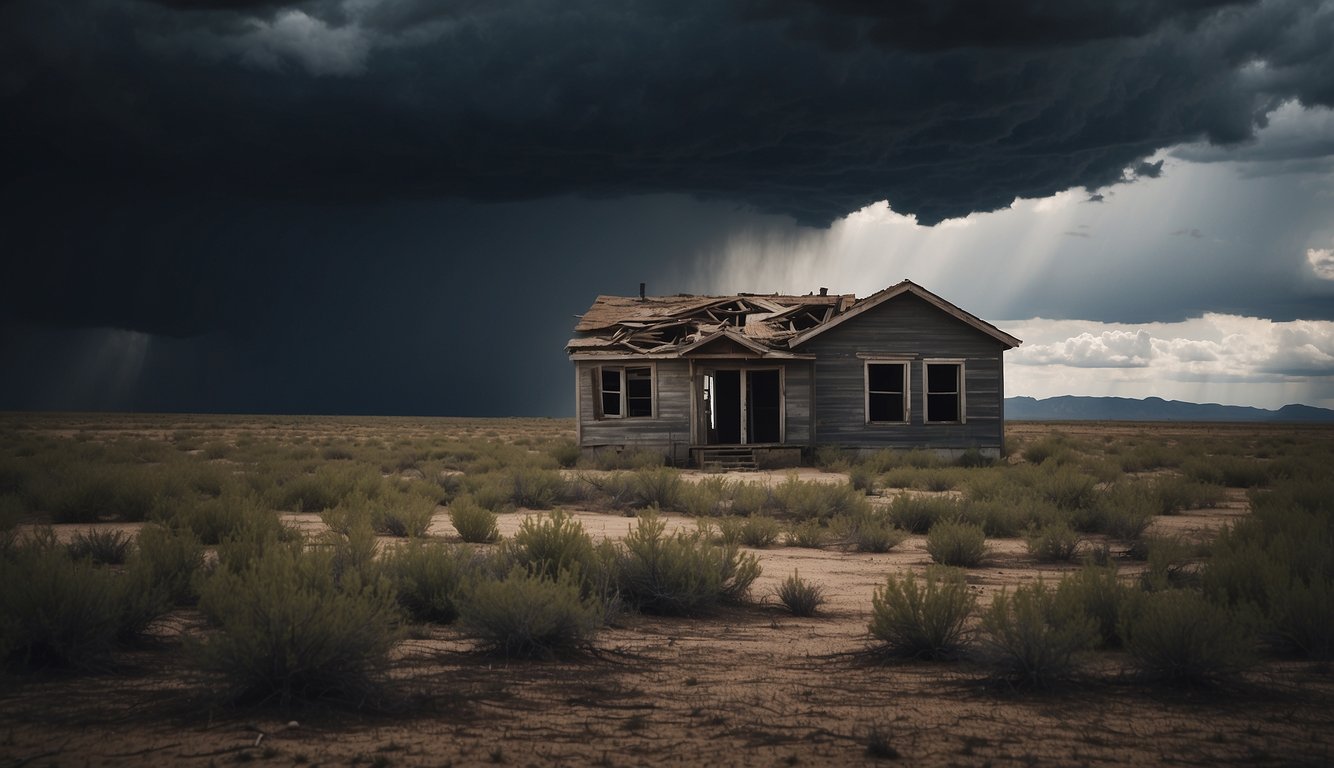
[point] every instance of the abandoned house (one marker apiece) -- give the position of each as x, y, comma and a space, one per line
736, 380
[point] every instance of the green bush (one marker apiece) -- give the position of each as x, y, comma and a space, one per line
863, 478
760, 531
429, 578
803, 500
565, 452
1174, 494
917, 514
59, 612
406, 515
213, 520
1053, 543
547, 544
869, 532
326, 487
1179, 636
169, 559
957, 544
659, 487
476, 524
105, 547
706, 497
806, 533
679, 574
799, 596
529, 614
1036, 632
1068, 489
1231, 471
88, 494
1100, 594
927, 621
535, 488
289, 631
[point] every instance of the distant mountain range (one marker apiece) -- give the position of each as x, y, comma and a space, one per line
1071, 408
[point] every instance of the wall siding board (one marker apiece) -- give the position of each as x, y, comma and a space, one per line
905, 327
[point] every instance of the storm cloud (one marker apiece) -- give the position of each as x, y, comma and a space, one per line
273, 183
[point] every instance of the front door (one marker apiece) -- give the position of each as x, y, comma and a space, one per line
739, 406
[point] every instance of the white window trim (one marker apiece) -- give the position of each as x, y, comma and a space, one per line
963, 395
907, 388
624, 391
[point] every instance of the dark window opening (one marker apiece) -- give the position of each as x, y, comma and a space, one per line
885, 392
943, 394
638, 392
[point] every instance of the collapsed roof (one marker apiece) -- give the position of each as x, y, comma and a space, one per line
768, 325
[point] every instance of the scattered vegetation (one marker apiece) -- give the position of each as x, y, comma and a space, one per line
957, 544
926, 620
799, 596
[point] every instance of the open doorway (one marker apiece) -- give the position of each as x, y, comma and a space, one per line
741, 406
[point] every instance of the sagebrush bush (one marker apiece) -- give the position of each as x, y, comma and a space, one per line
659, 487
706, 497
803, 500
1231, 471
475, 524
1100, 593
535, 488
1053, 543
923, 621
103, 547
1035, 634
529, 614
683, 573
917, 514
547, 544
1068, 489
760, 531
871, 531
958, 544
1180, 636
287, 630
806, 533
863, 478
428, 578
87, 494
1280, 561
216, 519
405, 515
800, 597
565, 452
169, 559
56, 611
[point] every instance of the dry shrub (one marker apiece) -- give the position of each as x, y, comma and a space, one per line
1035, 634
529, 614
288, 630
956, 544
1053, 543
922, 621
799, 596
429, 577
1179, 636
680, 574
475, 524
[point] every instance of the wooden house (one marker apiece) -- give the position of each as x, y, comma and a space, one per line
735, 380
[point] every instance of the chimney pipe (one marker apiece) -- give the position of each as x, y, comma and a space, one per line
824, 291
641, 291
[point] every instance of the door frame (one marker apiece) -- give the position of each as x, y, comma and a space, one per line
698, 371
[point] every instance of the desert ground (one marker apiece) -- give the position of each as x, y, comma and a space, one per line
743, 684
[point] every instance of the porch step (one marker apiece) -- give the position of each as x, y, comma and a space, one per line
731, 458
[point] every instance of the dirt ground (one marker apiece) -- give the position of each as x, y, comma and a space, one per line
750, 685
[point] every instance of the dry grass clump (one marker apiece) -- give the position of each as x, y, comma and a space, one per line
917, 514
799, 596
102, 547
922, 621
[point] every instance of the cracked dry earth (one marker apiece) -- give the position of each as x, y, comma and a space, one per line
750, 685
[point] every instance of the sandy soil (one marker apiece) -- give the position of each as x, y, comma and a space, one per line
750, 685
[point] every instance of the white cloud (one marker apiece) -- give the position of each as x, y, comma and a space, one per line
311, 42
1321, 261
1212, 358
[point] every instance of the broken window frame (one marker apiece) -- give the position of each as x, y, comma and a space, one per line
623, 378
939, 394
904, 392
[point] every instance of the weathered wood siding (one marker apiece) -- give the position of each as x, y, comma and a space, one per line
797, 400
668, 430
909, 328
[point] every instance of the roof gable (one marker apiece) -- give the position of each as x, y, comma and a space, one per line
894, 291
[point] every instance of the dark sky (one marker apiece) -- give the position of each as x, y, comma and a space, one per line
396, 206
